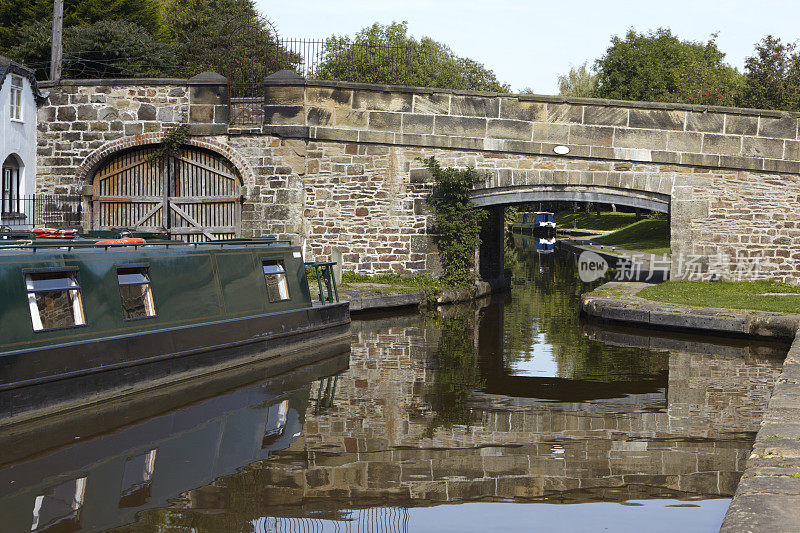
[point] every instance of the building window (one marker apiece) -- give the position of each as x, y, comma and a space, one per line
277, 284
54, 299
134, 288
16, 98
59, 508
137, 479
9, 186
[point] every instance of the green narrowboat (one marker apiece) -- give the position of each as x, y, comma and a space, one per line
81, 306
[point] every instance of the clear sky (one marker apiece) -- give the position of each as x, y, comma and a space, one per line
529, 43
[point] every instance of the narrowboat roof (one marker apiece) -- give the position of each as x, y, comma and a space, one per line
25, 246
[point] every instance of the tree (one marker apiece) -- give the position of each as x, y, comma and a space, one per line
772, 76
104, 49
226, 36
17, 16
387, 54
580, 81
657, 66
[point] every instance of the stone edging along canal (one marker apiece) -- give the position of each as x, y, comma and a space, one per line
374, 297
768, 496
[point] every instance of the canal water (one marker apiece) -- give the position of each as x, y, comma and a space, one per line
509, 414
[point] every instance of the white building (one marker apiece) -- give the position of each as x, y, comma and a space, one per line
19, 98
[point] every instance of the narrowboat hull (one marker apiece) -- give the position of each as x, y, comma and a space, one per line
37, 382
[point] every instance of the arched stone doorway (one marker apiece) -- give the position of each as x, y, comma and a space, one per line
194, 195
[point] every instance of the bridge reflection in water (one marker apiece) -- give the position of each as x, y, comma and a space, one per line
508, 401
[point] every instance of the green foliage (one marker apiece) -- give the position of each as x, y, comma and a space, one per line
388, 55
226, 36
650, 236
657, 66
510, 215
457, 220
772, 76
457, 372
103, 49
580, 81
17, 16
123, 38
432, 287
171, 143
753, 295
604, 221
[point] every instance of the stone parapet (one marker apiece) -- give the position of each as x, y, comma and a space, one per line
678, 134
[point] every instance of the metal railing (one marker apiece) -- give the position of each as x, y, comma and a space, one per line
52, 211
329, 59
323, 270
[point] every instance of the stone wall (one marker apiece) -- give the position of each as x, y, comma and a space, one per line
79, 119
717, 137
336, 164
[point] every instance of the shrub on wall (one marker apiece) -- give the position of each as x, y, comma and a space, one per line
457, 220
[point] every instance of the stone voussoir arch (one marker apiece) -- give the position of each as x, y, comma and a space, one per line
85, 171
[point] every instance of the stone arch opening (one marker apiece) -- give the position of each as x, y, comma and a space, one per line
194, 194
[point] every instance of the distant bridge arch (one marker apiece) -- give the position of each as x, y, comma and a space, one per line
652, 201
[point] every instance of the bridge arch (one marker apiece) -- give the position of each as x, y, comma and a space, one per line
649, 200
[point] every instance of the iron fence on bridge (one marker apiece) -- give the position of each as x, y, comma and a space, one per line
330, 59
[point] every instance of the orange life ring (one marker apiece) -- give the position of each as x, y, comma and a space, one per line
126, 240
50, 233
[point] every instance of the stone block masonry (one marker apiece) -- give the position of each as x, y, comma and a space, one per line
335, 165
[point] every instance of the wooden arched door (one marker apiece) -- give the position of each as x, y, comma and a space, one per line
194, 195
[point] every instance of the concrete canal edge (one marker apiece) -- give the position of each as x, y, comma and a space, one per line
767, 498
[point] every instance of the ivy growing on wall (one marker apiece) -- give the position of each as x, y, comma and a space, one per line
171, 143
457, 220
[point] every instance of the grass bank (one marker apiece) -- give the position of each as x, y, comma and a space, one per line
432, 287
771, 296
604, 221
649, 236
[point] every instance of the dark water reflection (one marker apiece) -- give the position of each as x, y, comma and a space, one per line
489, 406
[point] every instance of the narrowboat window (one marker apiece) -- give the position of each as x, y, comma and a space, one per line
137, 478
59, 508
277, 284
134, 288
54, 299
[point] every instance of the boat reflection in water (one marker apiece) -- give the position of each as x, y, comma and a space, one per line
91, 471
483, 408
542, 245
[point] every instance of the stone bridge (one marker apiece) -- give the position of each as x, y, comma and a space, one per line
335, 166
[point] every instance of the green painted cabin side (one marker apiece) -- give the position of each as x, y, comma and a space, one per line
191, 285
